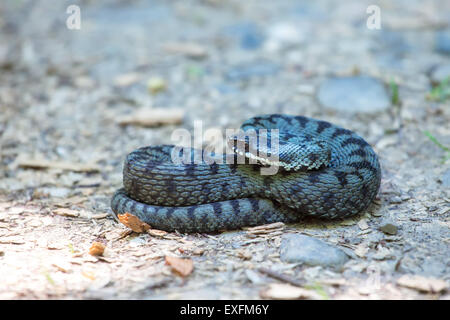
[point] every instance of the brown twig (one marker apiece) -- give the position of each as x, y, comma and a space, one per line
281, 277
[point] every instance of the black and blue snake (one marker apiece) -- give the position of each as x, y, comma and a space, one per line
324, 171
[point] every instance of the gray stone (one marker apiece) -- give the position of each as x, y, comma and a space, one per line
56, 192
388, 228
396, 199
354, 94
285, 35
446, 179
254, 69
254, 277
297, 248
433, 267
440, 73
249, 35
100, 203
443, 42
390, 48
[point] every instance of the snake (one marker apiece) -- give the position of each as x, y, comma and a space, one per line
323, 171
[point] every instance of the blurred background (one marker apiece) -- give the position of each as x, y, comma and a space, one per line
218, 61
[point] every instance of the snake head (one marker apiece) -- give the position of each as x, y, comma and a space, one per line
282, 149
259, 147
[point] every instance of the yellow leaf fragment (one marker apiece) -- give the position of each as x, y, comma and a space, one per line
181, 266
133, 222
96, 249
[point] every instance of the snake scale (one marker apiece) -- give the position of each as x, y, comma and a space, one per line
337, 175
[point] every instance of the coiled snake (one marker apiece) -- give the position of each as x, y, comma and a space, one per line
324, 171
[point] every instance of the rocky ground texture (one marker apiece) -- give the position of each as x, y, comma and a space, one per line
74, 102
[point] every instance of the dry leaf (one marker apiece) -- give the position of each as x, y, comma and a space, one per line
69, 201
181, 266
334, 282
117, 234
188, 49
88, 274
53, 245
89, 182
97, 249
63, 165
157, 233
66, 212
62, 265
100, 216
244, 254
422, 284
4, 225
281, 291
153, 117
362, 224
348, 222
198, 251
11, 240
84, 82
16, 210
266, 228
133, 222
361, 250
127, 79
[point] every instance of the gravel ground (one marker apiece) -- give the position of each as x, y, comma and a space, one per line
74, 102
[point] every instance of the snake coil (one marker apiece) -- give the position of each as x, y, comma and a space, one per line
325, 171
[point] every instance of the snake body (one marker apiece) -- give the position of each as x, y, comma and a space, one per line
339, 180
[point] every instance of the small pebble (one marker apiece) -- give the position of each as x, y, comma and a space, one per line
248, 34
311, 251
446, 179
56, 192
156, 85
255, 69
405, 197
97, 249
388, 228
254, 277
396, 199
282, 35
443, 42
440, 73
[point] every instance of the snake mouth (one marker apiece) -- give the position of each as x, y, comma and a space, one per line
252, 147
283, 150
254, 158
